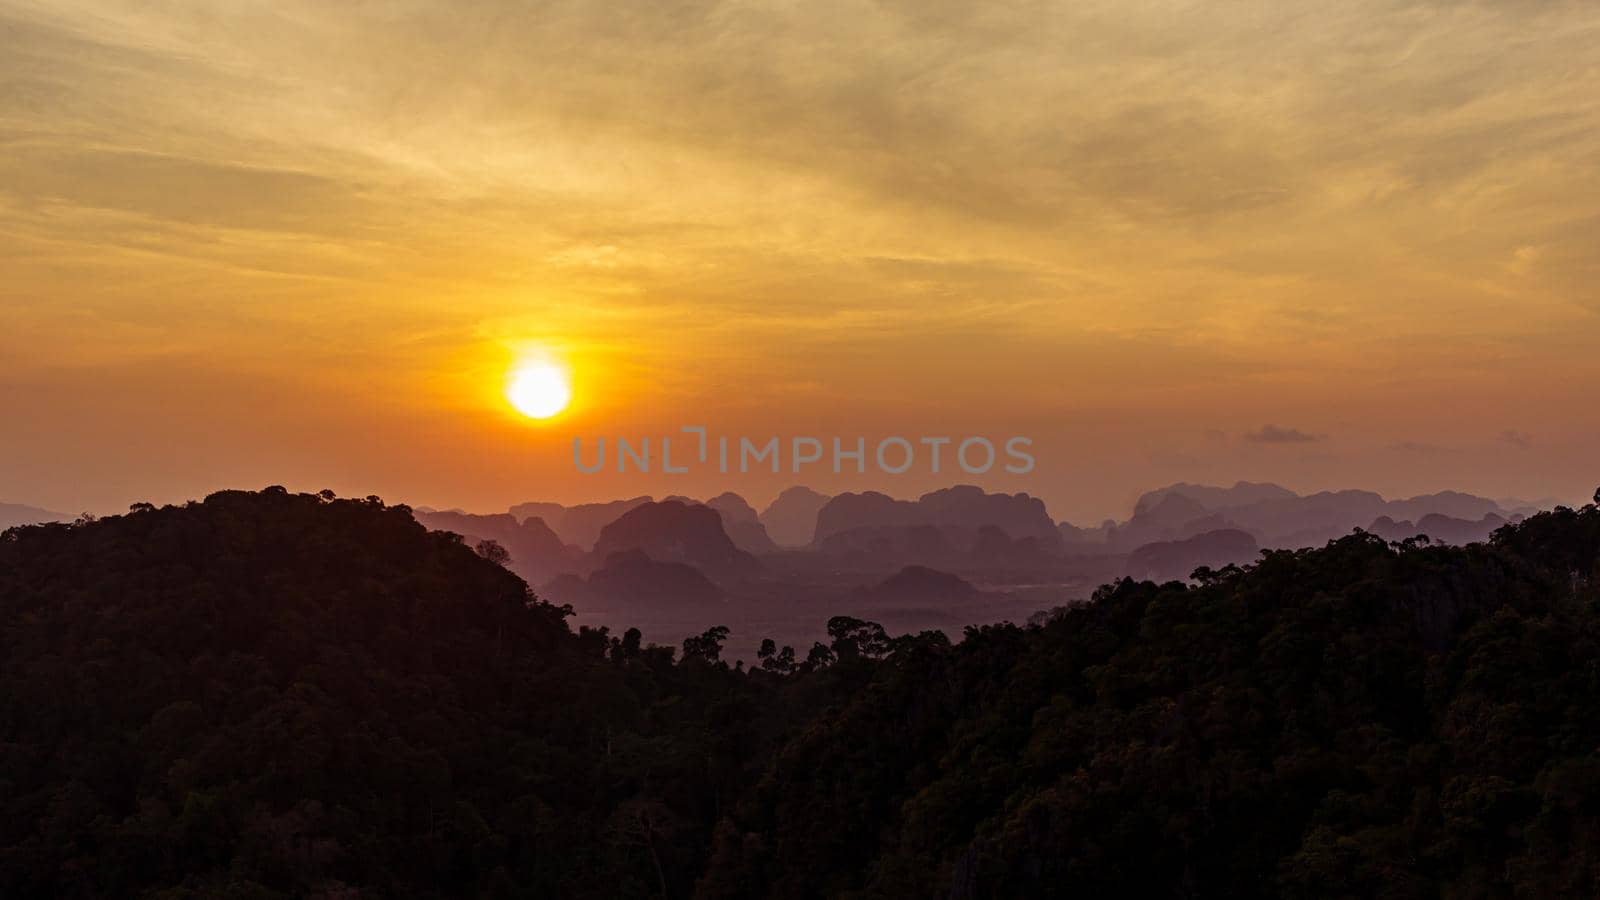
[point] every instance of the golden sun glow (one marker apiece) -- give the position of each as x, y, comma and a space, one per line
539, 389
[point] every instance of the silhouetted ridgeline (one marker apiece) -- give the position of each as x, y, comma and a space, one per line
274, 695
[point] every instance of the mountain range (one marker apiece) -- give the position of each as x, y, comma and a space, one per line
275, 695
648, 561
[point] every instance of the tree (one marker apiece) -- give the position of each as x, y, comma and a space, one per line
626, 647
781, 661
493, 552
820, 657
707, 645
854, 637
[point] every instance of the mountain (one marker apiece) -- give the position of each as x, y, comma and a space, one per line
962, 506
732, 508
1357, 720
1018, 515
1278, 517
1452, 504
921, 586
868, 509
673, 531
280, 695
537, 554
13, 514
1439, 528
579, 525
791, 518
744, 527
1164, 516
1516, 506
1243, 493
631, 583
1176, 560
270, 695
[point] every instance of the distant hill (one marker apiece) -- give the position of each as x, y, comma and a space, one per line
537, 554
1216, 499
13, 514
1278, 517
1176, 560
271, 695
1439, 528
631, 583
791, 518
963, 506
919, 585
1357, 720
579, 525
744, 527
673, 531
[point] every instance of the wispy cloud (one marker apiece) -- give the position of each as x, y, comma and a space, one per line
1273, 434
1420, 447
1046, 210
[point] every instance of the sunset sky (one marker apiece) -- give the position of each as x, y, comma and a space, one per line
1334, 245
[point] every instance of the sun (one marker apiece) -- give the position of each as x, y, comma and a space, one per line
539, 390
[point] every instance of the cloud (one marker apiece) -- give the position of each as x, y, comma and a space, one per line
1515, 438
1272, 434
1419, 447
175, 189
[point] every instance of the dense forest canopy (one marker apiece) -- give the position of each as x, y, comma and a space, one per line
273, 694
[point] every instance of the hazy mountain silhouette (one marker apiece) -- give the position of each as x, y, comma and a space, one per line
13, 514
631, 583
1176, 560
865, 510
744, 527
1018, 515
1216, 499
919, 585
887, 547
674, 531
278, 695
1439, 528
963, 506
1165, 516
1453, 504
581, 524
791, 518
1278, 517
537, 554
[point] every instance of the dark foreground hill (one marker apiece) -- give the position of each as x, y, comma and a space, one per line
274, 695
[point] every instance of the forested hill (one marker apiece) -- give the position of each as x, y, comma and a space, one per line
269, 694
273, 695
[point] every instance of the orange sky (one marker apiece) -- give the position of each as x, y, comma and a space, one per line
302, 242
